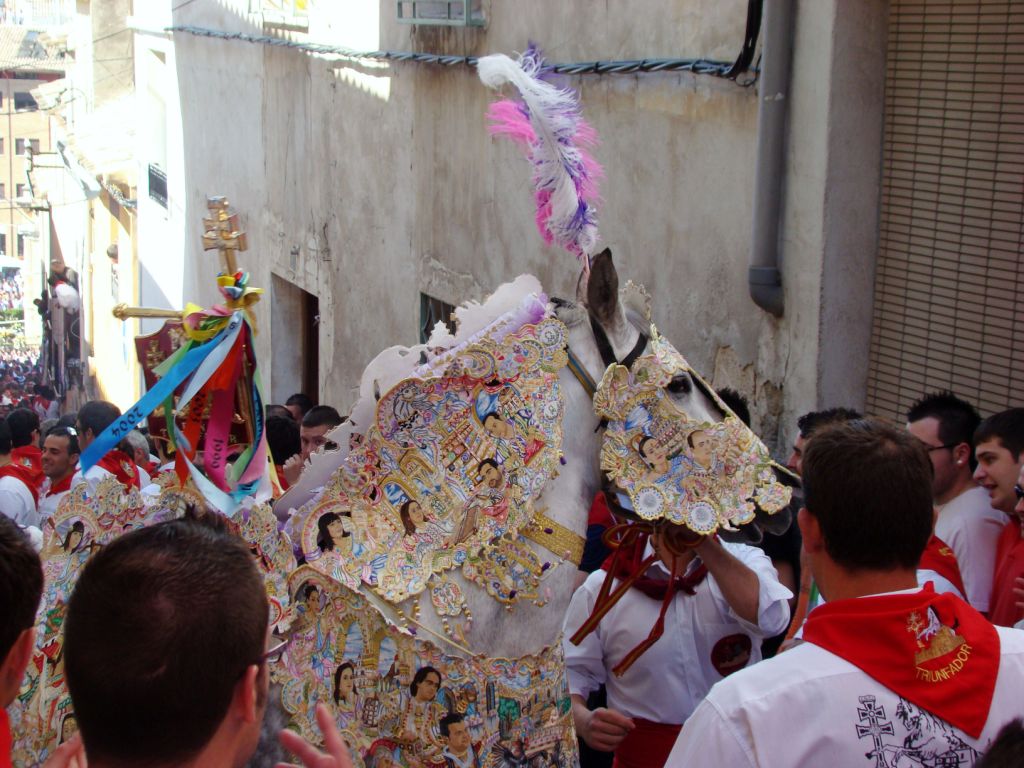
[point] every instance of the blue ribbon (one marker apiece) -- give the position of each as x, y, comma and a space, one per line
163, 389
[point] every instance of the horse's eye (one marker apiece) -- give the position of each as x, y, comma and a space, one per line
680, 385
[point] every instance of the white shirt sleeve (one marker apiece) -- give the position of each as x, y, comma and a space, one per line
773, 597
584, 663
708, 740
17, 503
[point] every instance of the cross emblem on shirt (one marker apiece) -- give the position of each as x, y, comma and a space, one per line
874, 716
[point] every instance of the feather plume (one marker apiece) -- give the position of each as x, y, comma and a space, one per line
547, 125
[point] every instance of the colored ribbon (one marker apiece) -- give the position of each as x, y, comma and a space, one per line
193, 359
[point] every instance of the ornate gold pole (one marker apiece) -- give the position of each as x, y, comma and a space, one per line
124, 312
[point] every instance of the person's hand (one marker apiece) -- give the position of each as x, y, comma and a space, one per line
605, 729
1018, 590
70, 754
292, 469
337, 751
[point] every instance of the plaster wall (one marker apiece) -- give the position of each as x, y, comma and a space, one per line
366, 184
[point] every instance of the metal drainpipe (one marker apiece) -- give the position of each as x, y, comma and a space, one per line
764, 277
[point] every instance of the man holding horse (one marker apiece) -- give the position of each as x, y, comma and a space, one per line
889, 669
715, 602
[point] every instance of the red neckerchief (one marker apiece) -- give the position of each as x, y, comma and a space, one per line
61, 487
6, 744
933, 650
25, 475
121, 466
938, 557
30, 457
627, 565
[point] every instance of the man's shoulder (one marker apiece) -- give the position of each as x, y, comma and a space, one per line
971, 506
779, 676
1011, 645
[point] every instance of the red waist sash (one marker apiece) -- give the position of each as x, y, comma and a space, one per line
647, 746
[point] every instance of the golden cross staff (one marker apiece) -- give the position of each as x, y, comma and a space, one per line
220, 231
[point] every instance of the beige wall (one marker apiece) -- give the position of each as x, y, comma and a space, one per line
367, 184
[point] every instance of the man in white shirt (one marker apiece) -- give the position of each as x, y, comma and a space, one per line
889, 673
18, 496
727, 600
967, 522
93, 418
60, 463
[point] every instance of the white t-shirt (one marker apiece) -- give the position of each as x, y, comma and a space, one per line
809, 707
702, 635
96, 475
970, 526
17, 502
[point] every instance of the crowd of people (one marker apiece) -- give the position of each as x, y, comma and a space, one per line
880, 621
12, 290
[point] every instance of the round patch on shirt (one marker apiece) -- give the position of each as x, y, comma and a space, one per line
730, 653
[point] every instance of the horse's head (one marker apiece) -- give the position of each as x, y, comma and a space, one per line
670, 442
608, 325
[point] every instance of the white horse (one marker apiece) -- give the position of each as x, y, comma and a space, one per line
605, 325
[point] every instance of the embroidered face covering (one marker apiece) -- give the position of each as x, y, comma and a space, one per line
702, 474
454, 460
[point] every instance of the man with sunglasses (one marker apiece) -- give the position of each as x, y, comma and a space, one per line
1000, 452
966, 522
60, 462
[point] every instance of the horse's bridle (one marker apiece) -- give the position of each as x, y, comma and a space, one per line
604, 348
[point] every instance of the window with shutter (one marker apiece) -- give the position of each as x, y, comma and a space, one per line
949, 284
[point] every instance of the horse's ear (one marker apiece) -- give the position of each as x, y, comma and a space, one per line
603, 287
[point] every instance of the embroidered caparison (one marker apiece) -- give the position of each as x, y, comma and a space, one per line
704, 475
453, 461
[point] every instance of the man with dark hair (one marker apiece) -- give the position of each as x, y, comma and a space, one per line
18, 494
60, 462
284, 442
459, 751
21, 587
808, 595
24, 426
811, 422
999, 449
167, 628
93, 418
966, 521
318, 421
911, 669
298, 406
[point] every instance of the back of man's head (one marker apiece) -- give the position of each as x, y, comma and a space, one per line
96, 415
160, 629
957, 418
1007, 427
5, 438
321, 416
283, 438
300, 401
21, 586
23, 423
811, 422
870, 488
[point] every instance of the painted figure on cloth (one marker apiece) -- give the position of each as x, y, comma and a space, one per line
459, 751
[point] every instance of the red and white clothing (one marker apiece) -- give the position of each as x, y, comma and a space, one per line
703, 641
939, 566
18, 495
1003, 609
970, 526
51, 494
30, 457
813, 706
115, 464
